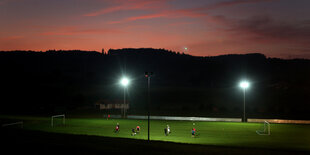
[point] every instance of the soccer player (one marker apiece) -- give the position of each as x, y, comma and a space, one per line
138, 129
193, 132
117, 128
168, 129
133, 132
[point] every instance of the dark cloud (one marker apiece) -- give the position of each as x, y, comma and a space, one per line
266, 29
234, 2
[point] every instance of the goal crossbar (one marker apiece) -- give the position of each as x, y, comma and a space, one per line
55, 116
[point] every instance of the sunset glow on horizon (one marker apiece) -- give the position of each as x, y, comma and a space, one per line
276, 28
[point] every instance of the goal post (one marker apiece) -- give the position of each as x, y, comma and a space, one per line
58, 116
265, 130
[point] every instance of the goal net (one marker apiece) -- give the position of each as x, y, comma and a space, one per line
58, 119
265, 129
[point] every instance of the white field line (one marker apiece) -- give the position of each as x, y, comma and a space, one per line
16, 123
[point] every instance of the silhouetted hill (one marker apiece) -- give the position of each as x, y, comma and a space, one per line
182, 84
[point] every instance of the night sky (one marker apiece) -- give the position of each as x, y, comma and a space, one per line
276, 28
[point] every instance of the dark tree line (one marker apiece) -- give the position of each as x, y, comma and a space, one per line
43, 82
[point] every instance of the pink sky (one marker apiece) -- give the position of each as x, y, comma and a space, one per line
276, 28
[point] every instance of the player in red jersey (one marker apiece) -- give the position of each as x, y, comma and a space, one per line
193, 132
117, 128
138, 129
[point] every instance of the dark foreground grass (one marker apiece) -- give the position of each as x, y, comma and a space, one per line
215, 137
14, 141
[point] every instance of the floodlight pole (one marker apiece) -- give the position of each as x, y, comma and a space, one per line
244, 85
148, 76
124, 102
148, 113
244, 120
124, 82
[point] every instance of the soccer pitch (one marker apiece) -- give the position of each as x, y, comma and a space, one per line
283, 136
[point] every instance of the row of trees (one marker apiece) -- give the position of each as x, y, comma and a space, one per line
181, 85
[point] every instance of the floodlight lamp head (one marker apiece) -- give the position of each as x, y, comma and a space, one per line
244, 84
124, 81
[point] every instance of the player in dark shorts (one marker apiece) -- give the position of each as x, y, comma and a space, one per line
133, 132
166, 131
138, 129
117, 128
193, 132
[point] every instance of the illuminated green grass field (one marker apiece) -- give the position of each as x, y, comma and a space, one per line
283, 136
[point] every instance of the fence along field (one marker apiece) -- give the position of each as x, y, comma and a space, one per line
236, 134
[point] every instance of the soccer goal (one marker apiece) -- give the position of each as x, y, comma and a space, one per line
58, 118
265, 130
